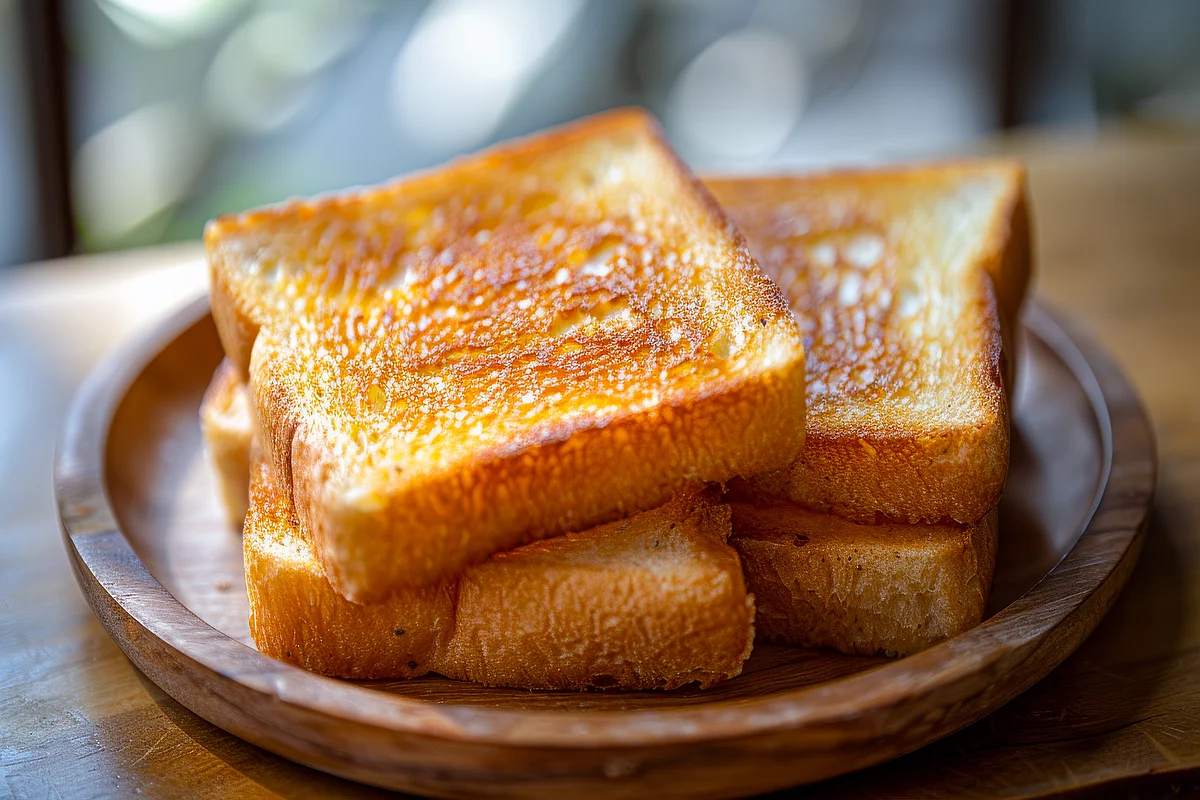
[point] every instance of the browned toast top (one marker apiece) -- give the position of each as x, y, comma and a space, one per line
592, 232
905, 283
576, 284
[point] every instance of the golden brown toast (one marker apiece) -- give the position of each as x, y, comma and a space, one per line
227, 427
803, 568
655, 601
533, 340
893, 589
905, 283
296, 616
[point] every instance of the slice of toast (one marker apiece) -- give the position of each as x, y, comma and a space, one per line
533, 340
296, 616
226, 425
907, 284
655, 601
891, 589
923, 583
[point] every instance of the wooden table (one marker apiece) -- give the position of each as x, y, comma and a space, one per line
1118, 238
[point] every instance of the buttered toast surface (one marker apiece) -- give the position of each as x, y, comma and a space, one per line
907, 284
530, 341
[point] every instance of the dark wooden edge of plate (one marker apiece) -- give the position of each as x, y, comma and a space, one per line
206, 670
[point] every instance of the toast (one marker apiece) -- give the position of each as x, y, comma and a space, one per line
907, 285
655, 601
888, 589
922, 583
227, 428
533, 340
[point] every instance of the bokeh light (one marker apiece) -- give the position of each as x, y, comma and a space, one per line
741, 96
465, 64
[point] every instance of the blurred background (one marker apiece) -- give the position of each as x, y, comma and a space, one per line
129, 122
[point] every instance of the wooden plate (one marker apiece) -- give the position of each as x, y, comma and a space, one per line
163, 573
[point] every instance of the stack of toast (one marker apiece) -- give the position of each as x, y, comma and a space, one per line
541, 418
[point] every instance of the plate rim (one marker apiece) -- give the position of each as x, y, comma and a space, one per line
1118, 519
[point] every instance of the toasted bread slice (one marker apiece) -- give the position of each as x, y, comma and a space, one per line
906, 283
891, 589
655, 601
226, 424
652, 602
534, 340
296, 616
804, 568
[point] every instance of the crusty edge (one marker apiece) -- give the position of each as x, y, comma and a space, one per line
953, 474
807, 582
227, 441
905, 475
297, 616
712, 639
1012, 271
235, 327
419, 533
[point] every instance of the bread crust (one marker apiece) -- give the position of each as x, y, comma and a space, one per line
569, 480
872, 452
696, 617
895, 471
656, 601
662, 358
226, 430
820, 581
296, 616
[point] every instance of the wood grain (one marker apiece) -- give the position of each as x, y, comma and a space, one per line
1117, 241
128, 476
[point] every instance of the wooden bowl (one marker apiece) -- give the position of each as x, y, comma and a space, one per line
163, 572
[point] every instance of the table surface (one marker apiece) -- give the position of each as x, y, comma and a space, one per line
1117, 227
